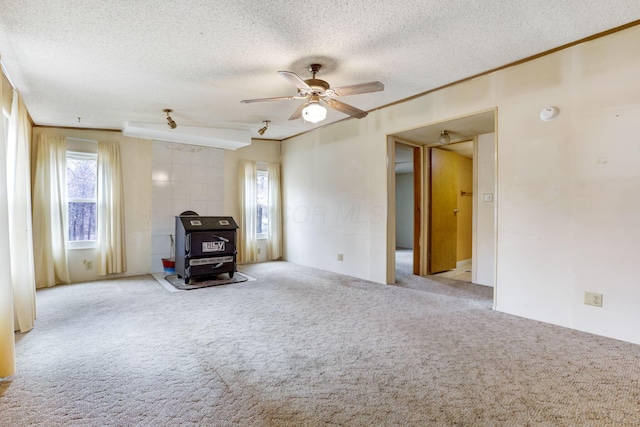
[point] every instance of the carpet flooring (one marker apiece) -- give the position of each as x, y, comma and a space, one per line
304, 347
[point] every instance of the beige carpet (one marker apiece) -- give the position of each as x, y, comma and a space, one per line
302, 347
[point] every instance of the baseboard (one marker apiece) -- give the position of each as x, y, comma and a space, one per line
463, 263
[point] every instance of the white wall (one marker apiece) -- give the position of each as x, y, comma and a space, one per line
185, 177
201, 179
335, 199
136, 173
484, 243
162, 180
404, 210
568, 191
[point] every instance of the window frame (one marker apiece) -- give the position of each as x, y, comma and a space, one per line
262, 169
82, 244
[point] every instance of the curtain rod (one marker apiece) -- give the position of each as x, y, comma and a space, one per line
6, 75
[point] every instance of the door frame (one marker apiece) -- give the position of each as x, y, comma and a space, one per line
419, 267
391, 214
417, 208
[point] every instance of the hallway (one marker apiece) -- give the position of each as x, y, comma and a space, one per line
438, 283
404, 265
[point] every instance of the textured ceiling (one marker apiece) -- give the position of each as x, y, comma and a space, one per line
110, 62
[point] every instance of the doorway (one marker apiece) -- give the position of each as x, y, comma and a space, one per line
478, 131
408, 206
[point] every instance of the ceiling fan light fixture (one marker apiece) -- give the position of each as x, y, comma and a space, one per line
315, 90
444, 137
314, 113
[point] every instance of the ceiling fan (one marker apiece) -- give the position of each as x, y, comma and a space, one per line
319, 93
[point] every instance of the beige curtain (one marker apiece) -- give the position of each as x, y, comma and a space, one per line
50, 234
19, 191
247, 251
110, 253
7, 339
274, 245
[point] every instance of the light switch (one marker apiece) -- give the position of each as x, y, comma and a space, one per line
487, 197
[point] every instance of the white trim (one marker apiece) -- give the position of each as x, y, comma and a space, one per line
230, 139
79, 155
82, 244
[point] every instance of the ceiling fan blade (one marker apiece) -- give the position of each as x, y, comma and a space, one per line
298, 113
360, 88
295, 79
345, 108
278, 98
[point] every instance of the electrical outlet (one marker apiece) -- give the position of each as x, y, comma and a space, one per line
88, 265
340, 257
259, 251
592, 298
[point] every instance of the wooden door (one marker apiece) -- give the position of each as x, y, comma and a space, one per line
442, 210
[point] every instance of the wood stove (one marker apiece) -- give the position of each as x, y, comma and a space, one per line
205, 246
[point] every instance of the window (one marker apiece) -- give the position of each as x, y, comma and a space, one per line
81, 195
262, 202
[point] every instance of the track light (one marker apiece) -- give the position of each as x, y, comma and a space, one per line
262, 130
170, 121
444, 138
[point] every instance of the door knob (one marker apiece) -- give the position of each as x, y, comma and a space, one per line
455, 211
